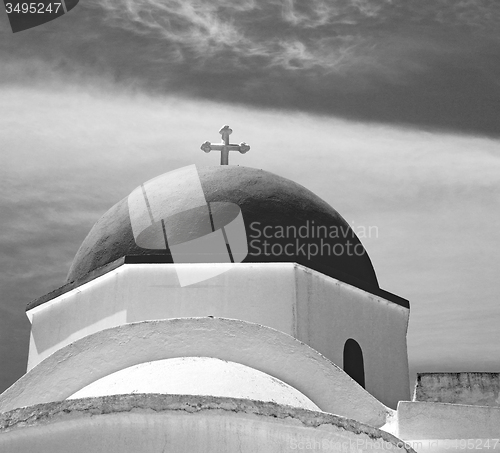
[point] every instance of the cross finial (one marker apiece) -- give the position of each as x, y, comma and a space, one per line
225, 147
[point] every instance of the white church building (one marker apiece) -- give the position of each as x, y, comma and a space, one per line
228, 309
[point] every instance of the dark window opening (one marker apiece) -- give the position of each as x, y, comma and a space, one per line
353, 361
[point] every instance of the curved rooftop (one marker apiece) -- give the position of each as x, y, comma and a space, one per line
197, 376
283, 222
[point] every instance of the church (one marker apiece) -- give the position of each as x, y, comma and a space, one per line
228, 309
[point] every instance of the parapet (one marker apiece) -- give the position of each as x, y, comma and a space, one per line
476, 389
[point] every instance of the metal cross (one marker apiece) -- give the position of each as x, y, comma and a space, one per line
225, 147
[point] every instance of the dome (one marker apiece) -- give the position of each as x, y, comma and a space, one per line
283, 222
197, 376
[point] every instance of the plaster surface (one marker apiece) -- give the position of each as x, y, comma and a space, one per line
317, 309
426, 420
180, 423
197, 376
330, 312
262, 348
481, 389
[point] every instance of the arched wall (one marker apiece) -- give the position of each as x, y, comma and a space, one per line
264, 349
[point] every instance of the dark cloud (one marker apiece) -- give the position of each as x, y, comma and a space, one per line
40, 226
429, 63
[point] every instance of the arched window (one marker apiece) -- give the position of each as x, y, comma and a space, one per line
353, 361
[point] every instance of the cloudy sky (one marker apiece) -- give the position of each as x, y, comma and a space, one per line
389, 110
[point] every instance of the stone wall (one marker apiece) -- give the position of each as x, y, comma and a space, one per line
478, 389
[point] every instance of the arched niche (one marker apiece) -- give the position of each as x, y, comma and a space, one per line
353, 361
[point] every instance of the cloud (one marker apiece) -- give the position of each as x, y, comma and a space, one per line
426, 63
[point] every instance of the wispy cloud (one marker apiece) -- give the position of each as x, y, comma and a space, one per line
428, 63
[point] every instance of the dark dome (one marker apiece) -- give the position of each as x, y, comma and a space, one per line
275, 210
